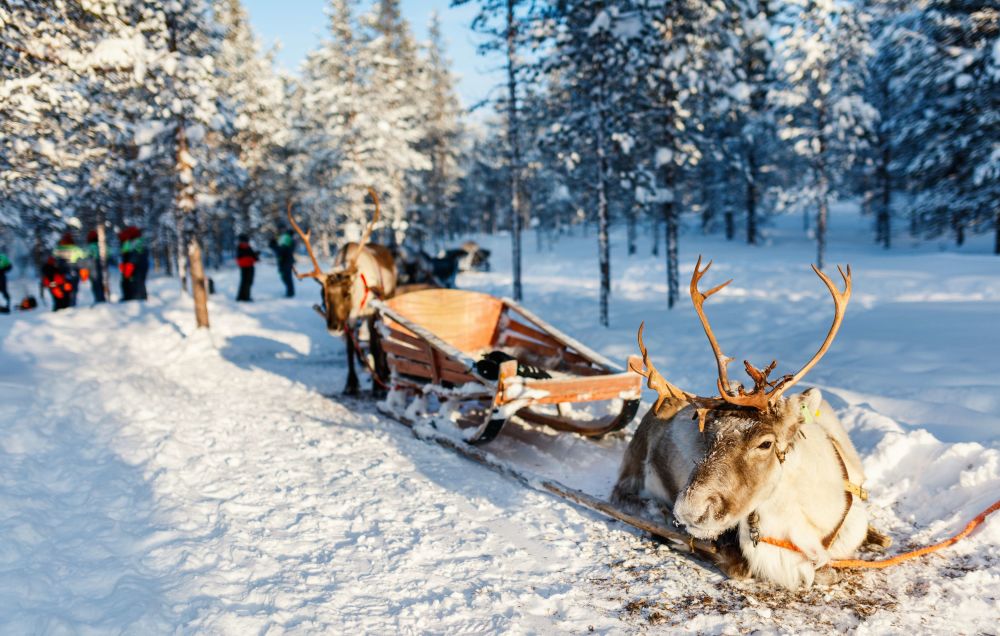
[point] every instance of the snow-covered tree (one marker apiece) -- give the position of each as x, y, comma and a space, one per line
441, 139
505, 24
588, 65
948, 129
822, 57
676, 42
254, 96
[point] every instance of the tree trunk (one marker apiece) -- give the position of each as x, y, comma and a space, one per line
102, 256
630, 229
884, 221
752, 200
959, 225
199, 285
996, 243
730, 225
656, 237
515, 152
181, 258
187, 207
673, 267
604, 253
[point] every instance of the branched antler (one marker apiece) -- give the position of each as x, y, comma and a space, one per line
366, 235
699, 298
840, 300
317, 272
656, 381
765, 392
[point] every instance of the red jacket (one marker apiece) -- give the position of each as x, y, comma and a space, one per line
245, 255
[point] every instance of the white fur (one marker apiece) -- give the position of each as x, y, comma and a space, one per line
802, 503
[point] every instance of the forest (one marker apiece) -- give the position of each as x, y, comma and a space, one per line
662, 117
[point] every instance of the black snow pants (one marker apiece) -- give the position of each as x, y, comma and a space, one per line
286, 277
246, 282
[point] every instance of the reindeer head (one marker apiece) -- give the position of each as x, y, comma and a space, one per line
339, 300
748, 433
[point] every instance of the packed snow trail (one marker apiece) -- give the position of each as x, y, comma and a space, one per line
155, 479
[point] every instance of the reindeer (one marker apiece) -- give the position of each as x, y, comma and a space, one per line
780, 470
361, 272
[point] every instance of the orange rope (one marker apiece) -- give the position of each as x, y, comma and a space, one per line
899, 558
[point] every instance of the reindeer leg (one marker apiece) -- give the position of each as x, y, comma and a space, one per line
380, 371
351, 388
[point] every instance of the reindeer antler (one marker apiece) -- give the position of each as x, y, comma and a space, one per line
368, 230
765, 392
667, 392
655, 380
699, 298
840, 300
317, 272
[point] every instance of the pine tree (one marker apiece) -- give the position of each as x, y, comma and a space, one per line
504, 22
949, 98
824, 116
254, 95
442, 135
588, 72
675, 38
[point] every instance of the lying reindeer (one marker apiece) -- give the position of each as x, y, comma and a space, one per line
780, 470
361, 272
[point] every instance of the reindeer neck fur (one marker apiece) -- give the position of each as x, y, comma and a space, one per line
375, 276
806, 505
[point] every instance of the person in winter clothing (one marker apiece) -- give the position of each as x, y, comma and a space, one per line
97, 276
56, 280
72, 264
5, 266
246, 257
134, 263
284, 252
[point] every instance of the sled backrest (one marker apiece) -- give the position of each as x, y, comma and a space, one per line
464, 319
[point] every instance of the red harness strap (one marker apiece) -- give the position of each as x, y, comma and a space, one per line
364, 298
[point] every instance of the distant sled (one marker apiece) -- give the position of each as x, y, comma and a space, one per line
478, 361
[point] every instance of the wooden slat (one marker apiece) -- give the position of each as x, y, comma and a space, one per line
591, 389
456, 378
421, 355
405, 336
447, 364
510, 340
403, 351
582, 370
587, 353
532, 332
402, 365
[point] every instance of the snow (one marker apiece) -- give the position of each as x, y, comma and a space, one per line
156, 479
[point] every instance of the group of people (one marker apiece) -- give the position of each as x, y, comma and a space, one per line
71, 265
283, 247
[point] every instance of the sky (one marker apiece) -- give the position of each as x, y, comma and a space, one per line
299, 24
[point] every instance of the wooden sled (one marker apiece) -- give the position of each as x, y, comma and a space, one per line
432, 340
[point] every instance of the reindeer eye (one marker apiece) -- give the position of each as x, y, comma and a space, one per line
765, 445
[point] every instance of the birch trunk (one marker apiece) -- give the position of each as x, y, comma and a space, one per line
515, 152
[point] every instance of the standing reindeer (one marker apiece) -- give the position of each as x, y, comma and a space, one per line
361, 272
780, 470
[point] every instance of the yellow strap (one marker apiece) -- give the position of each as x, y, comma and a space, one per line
856, 490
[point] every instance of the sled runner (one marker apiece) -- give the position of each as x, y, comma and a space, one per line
482, 360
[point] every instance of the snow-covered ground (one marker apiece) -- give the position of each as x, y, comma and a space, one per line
154, 479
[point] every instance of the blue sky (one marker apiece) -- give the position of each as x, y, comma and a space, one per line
299, 24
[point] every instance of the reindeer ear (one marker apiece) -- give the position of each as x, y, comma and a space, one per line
799, 409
